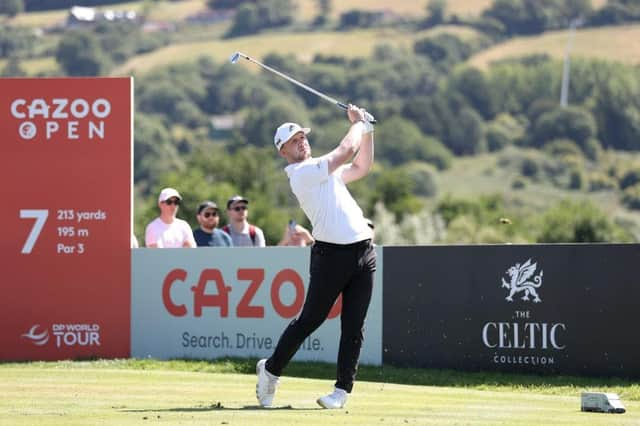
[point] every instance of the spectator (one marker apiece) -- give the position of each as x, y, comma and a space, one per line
167, 231
296, 235
243, 234
208, 234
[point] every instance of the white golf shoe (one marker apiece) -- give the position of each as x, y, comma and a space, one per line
266, 386
334, 400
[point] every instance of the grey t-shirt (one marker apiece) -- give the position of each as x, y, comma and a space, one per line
243, 239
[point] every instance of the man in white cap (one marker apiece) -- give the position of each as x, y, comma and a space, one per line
167, 231
343, 260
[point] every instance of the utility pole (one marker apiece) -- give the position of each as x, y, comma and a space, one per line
564, 91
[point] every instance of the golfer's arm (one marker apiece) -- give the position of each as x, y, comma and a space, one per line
347, 148
362, 162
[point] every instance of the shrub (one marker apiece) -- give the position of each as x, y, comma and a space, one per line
562, 148
631, 197
630, 178
578, 222
529, 167
576, 179
424, 178
519, 183
601, 182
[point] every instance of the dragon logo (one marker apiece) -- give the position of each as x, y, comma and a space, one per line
519, 275
37, 339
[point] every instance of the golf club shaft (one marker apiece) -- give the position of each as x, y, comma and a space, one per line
339, 104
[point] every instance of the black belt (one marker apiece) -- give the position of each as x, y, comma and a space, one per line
363, 243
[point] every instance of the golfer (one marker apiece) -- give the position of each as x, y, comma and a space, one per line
343, 259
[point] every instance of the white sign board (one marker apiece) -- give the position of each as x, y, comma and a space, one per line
207, 303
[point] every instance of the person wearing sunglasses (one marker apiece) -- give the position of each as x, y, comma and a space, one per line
208, 234
243, 233
167, 231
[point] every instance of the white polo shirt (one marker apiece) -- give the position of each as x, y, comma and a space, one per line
334, 214
168, 235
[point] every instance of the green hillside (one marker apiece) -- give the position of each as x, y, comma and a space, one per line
304, 46
454, 132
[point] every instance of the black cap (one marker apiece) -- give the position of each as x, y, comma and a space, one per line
236, 198
207, 205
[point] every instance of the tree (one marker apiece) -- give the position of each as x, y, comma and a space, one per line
252, 18
11, 7
573, 123
578, 222
444, 50
358, 19
436, 11
409, 144
502, 131
19, 42
616, 109
473, 85
535, 16
324, 11
394, 188
617, 12
79, 54
226, 4
260, 125
154, 152
13, 69
246, 21
466, 137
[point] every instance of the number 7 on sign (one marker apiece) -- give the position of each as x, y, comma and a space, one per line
41, 217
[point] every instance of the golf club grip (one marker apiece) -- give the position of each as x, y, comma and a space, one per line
370, 118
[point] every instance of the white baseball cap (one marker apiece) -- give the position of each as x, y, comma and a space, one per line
285, 131
167, 193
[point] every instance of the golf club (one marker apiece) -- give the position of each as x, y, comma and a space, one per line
236, 56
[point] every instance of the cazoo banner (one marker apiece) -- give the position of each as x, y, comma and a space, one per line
569, 309
213, 302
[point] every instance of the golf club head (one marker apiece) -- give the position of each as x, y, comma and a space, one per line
234, 58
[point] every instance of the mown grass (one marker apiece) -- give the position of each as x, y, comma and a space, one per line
36, 66
127, 392
414, 8
492, 381
620, 43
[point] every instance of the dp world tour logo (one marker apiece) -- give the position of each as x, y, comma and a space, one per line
66, 335
518, 276
36, 338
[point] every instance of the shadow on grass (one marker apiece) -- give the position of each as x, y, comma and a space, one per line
216, 407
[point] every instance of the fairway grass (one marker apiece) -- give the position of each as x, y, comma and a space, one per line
614, 43
123, 394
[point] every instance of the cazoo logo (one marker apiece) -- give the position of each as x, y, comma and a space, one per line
65, 335
61, 118
519, 281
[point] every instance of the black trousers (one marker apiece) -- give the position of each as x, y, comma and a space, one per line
335, 269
